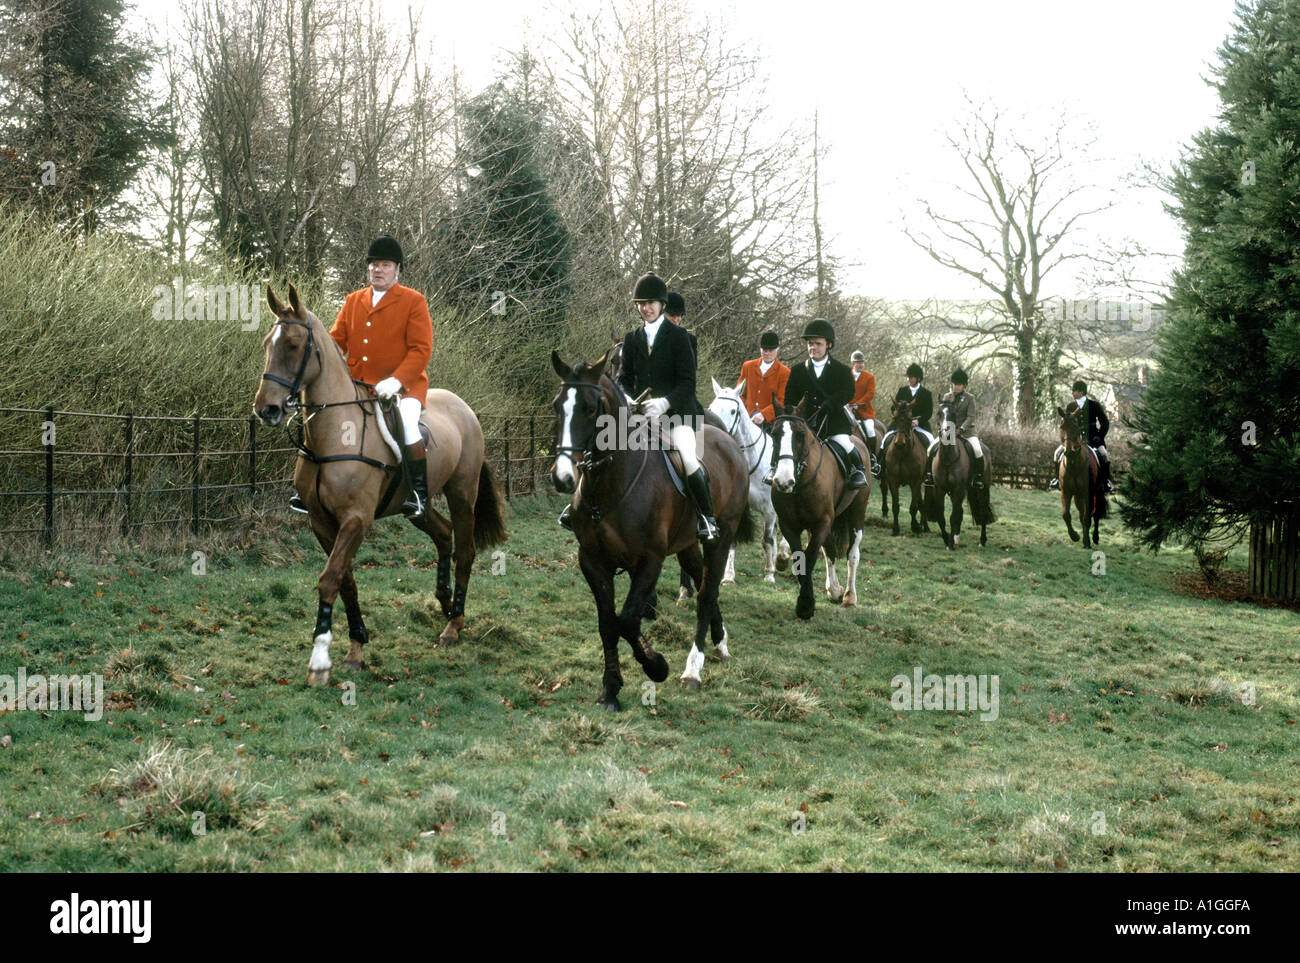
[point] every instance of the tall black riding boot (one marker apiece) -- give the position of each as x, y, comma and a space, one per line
697, 485
416, 480
857, 474
1105, 475
873, 445
977, 474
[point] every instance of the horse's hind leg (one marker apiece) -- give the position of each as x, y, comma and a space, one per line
685, 588
601, 581
644, 579
834, 590
853, 556
461, 509
708, 617
439, 529
356, 658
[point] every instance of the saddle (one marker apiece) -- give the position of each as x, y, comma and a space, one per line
394, 422
672, 457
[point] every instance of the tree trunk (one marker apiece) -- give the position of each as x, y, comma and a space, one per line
1026, 386
1275, 558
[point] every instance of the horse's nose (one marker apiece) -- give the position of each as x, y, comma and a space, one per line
271, 415
563, 485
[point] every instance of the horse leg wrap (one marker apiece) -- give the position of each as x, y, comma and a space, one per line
444, 575
457, 603
324, 618
356, 626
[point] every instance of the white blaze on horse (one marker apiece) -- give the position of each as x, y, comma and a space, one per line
756, 445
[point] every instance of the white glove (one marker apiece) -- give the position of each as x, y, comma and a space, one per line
388, 387
655, 407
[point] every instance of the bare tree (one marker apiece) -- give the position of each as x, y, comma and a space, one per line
1026, 202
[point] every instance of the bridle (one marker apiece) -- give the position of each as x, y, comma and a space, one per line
589, 460
800, 464
736, 425
295, 386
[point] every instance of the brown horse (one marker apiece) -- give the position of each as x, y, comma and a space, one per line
810, 494
1078, 472
348, 473
627, 514
951, 467
905, 465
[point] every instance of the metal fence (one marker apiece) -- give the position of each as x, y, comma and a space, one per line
123, 472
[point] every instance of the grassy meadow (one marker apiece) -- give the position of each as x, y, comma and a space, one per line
1122, 742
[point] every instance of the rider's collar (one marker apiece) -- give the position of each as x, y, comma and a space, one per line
652, 329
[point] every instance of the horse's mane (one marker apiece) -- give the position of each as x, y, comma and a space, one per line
582, 368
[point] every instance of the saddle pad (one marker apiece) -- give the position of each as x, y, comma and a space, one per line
394, 422
674, 462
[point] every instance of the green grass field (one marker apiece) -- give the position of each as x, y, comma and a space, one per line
1123, 741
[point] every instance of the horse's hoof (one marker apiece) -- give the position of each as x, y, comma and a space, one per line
691, 685
728, 581
611, 705
318, 677
769, 578
850, 601
720, 655
349, 664
449, 636
804, 611
1074, 536
657, 670
682, 596
782, 564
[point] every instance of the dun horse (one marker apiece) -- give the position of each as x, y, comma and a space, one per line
756, 445
905, 465
627, 514
348, 473
810, 494
1078, 472
951, 467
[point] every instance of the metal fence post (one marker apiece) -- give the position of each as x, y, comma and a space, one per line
532, 456
506, 431
252, 456
194, 502
128, 430
49, 477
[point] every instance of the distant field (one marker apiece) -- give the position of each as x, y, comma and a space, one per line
1125, 739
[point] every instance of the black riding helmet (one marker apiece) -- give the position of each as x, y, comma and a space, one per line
769, 340
650, 287
675, 305
820, 328
914, 371
384, 248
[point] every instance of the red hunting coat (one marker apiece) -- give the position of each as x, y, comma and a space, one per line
763, 393
864, 389
394, 338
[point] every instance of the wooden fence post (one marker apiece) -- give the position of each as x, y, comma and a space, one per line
532, 456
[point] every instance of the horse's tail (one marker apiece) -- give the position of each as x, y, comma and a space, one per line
489, 510
746, 530
932, 504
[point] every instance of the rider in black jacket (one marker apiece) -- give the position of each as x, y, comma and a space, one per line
826, 386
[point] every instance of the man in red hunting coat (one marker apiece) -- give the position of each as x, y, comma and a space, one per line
764, 379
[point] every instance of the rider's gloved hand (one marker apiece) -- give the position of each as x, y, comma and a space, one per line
388, 388
655, 407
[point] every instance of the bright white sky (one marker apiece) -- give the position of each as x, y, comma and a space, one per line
889, 78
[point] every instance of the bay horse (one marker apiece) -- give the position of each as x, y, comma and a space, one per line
756, 445
1078, 472
905, 465
810, 494
951, 467
881, 479
685, 584
348, 473
627, 514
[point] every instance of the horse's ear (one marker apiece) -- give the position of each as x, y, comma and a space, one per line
717, 388
296, 304
613, 335
561, 369
740, 388
276, 305
599, 366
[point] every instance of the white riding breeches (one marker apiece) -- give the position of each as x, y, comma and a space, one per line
844, 441
683, 439
410, 409
925, 436
974, 444
1060, 450
868, 426
1101, 450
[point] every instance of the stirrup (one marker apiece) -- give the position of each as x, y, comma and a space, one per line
564, 521
413, 509
296, 504
875, 466
707, 530
1054, 484
853, 479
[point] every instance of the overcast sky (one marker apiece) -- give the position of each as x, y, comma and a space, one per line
890, 78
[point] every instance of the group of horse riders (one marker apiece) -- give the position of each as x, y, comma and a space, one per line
386, 333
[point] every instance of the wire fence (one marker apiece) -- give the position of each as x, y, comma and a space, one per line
92, 473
